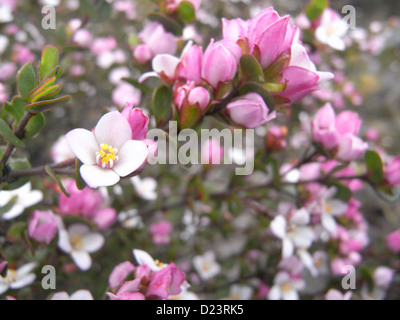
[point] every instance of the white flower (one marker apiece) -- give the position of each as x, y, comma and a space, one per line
329, 208
130, 219
109, 152
206, 265
5, 13
77, 295
185, 295
78, 241
293, 231
16, 279
146, 187
24, 198
332, 30
240, 292
285, 287
143, 258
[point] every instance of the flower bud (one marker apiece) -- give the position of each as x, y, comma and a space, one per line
42, 226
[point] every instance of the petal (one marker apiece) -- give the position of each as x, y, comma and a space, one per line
290, 295
113, 129
78, 229
278, 226
95, 176
32, 198
60, 296
143, 258
287, 248
82, 259
92, 242
165, 63
81, 295
63, 241
14, 212
25, 269
83, 144
131, 156
274, 293
23, 281
328, 222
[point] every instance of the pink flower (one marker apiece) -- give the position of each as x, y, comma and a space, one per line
82, 38
7, 69
125, 93
392, 172
166, 282
190, 65
102, 45
160, 232
119, 274
142, 53
249, 111
138, 121
393, 241
42, 226
109, 152
220, 62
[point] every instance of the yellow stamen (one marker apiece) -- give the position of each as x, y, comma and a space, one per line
286, 287
106, 156
159, 263
328, 208
76, 242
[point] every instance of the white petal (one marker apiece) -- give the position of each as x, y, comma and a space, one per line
303, 237
274, 293
278, 226
290, 295
113, 129
60, 296
143, 258
23, 281
287, 248
165, 63
81, 295
328, 222
82, 259
131, 156
14, 212
78, 229
32, 198
26, 268
337, 207
301, 217
63, 241
147, 75
83, 144
95, 176
92, 242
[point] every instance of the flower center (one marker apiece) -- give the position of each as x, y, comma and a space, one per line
286, 287
159, 263
328, 208
106, 156
11, 275
76, 242
206, 266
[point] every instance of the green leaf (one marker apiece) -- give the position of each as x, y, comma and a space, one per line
15, 108
52, 174
250, 69
48, 61
80, 183
273, 71
189, 115
342, 192
274, 87
7, 134
315, 8
7, 207
26, 80
252, 86
41, 106
35, 124
16, 165
17, 230
374, 166
47, 93
168, 23
161, 104
186, 12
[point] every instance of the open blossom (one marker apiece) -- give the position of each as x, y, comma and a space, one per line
249, 111
24, 198
338, 133
79, 241
206, 265
109, 152
19, 278
334, 294
293, 231
146, 187
77, 295
331, 29
43, 226
286, 287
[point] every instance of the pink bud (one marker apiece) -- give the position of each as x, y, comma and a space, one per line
104, 218
160, 232
249, 111
200, 97
157, 39
392, 172
323, 126
82, 38
142, 53
393, 241
220, 62
138, 121
348, 122
190, 66
42, 226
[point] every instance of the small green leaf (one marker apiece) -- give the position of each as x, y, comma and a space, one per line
47, 93
52, 174
35, 124
41, 106
26, 80
17, 230
375, 167
7, 134
342, 192
161, 104
274, 87
189, 115
250, 69
48, 61
168, 23
15, 108
252, 86
80, 183
186, 12
315, 8
273, 71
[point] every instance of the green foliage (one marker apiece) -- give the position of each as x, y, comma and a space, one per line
315, 8
374, 166
48, 61
250, 69
7, 133
26, 80
186, 12
162, 104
